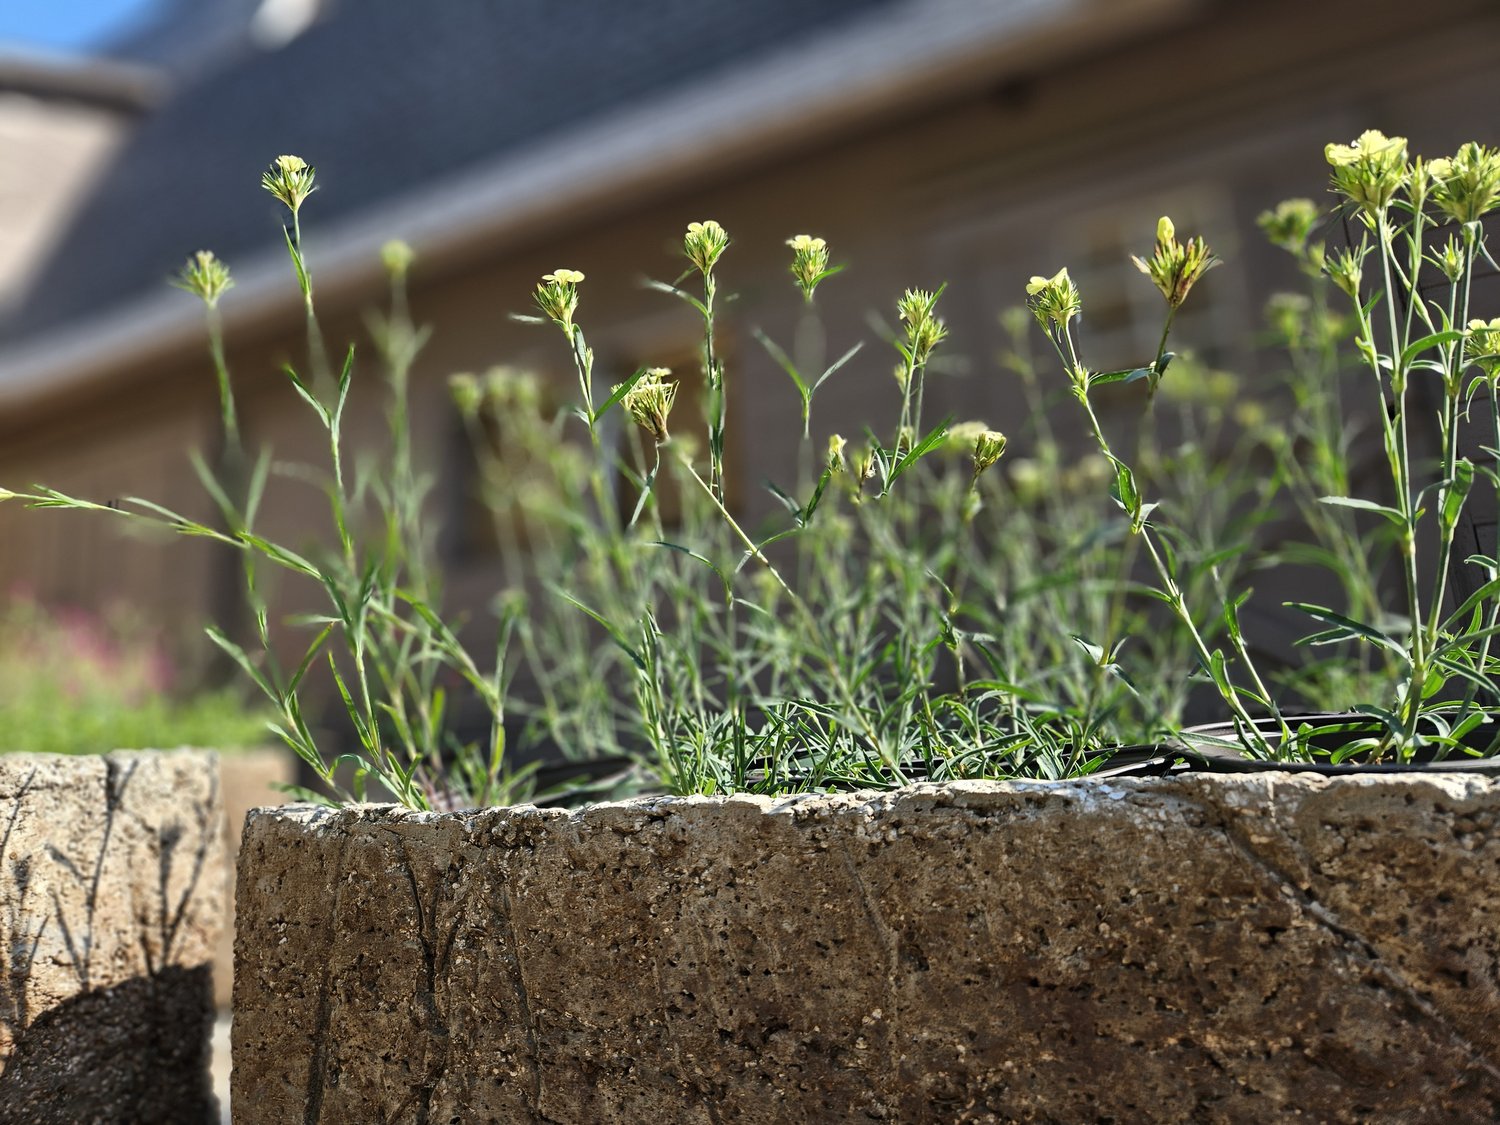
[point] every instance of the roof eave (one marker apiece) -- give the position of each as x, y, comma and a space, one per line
758, 108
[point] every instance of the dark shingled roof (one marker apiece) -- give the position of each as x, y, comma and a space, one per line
383, 96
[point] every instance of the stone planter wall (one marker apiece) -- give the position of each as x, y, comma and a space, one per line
110, 906
1209, 948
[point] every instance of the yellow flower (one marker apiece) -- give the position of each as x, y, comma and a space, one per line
1467, 186
1053, 300
809, 262
467, 395
1370, 171
289, 179
1482, 346
704, 243
962, 435
557, 296
836, 446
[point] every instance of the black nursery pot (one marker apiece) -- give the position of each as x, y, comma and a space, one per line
1202, 750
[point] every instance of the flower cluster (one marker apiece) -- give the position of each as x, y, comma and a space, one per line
1053, 300
499, 388
649, 402
289, 179
704, 243
205, 277
809, 262
1371, 171
1290, 224
924, 331
557, 296
1482, 346
1466, 186
1175, 267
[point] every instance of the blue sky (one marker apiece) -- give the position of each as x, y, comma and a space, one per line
64, 26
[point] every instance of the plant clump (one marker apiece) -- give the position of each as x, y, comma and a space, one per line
923, 603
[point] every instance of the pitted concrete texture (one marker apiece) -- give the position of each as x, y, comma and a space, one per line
110, 907
1204, 948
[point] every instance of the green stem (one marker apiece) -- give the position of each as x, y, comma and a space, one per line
1401, 473
826, 650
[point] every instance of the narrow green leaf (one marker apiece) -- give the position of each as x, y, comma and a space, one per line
1359, 628
614, 396
1364, 506
784, 361
614, 633
838, 363
1417, 347
663, 287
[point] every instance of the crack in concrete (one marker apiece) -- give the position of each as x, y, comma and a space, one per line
434, 967
505, 917
1391, 980
317, 1063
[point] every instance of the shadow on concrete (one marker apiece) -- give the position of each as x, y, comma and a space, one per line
135, 1052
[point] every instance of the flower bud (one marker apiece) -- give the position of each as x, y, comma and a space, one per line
205, 277
397, 257
467, 396
1175, 267
649, 402
988, 448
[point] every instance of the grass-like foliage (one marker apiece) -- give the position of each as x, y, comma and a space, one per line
1417, 222
911, 611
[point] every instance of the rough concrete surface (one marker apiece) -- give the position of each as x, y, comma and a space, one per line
1243, 948
110, 906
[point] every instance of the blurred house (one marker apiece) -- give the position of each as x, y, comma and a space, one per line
60, 124
975, 142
